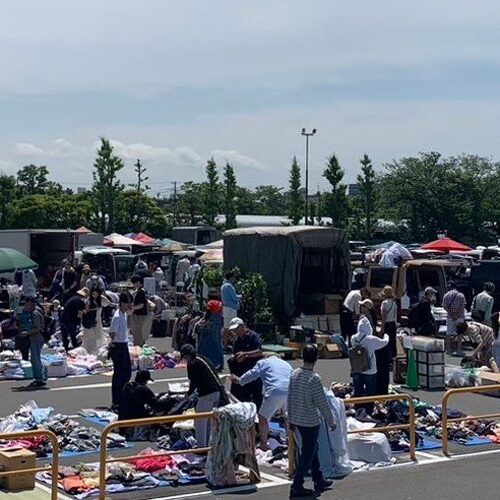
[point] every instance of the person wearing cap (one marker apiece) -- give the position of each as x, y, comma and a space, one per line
71, 318
246, 352
230, 302
454, 304
389, 316
95, 281
275, 375
118, 349
139, 319
350, 312
31, 326
482, 304
420, 316
86, 272
137, 399
204, 380
208, 334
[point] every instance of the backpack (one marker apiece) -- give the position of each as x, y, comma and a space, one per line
359, 358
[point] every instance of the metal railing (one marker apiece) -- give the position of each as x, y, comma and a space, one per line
144, 422
54, 467
410, 426
445, 421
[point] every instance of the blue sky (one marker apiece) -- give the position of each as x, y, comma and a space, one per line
176, 82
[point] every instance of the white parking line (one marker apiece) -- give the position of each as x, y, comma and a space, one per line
107, 384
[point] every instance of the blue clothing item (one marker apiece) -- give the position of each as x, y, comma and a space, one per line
274, 373
249, 342
36, 344
209, 340
229, 296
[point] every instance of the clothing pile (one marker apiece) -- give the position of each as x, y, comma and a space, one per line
72, 436
82, 363
148, 358
147, 472
11, 365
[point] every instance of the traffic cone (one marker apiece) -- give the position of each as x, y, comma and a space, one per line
411, 372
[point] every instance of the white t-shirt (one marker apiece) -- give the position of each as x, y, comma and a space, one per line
352, 301
119, 326
389, 310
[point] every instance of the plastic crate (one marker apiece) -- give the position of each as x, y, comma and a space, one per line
436, 382
430, 370
430, 358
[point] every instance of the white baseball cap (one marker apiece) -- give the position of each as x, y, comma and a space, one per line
235, 323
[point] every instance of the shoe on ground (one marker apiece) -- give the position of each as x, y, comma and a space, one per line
302, 493
38, 383
323, 485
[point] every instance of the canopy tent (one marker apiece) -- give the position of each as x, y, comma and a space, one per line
215, 245
118, 240
144, 238
83, 230
446, 245
214, 255
175, 246
11, 260
382, 246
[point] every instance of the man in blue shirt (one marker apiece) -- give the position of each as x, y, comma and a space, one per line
275, 375
230, 303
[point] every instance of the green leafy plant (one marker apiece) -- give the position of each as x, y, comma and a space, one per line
254, 306
212, 277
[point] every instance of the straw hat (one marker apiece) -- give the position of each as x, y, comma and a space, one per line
84, 292
387, 292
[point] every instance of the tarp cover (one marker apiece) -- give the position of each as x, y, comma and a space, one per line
276, 253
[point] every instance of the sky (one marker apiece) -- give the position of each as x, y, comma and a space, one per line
174, 83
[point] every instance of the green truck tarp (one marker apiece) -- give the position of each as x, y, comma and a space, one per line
277, 253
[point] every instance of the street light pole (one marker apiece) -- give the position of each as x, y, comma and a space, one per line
306, 201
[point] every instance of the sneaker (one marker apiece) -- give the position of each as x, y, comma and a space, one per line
323, 485
302, 493
38, 383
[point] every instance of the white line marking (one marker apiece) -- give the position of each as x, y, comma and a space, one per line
107, 384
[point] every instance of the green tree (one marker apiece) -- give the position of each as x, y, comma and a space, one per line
336, 203
211, 193
230, 196
107, 186
295, 200
368, 196
140, 187
244, 201
190, 203
7, 197
35, 211
32, 179
269, 200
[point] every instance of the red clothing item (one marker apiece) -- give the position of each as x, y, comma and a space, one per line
152, 463
74, 485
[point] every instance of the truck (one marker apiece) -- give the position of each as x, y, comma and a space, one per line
195, 235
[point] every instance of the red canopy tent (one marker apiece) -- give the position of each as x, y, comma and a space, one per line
446, 245
83, 230
144, 238
117, 240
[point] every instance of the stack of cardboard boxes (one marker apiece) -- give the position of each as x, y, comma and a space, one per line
12, 460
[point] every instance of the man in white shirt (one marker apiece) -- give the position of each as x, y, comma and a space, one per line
118, 349
365, 383
349, 312
482, 305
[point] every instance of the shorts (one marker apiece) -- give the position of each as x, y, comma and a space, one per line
451, 326
272, 404
229, 314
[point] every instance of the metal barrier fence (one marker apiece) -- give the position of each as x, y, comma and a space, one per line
55, 457
445, 421
141, 422
410, 426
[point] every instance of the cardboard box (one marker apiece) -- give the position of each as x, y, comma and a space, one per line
321, 339
12, 460
330, 351
296, 345
488, 378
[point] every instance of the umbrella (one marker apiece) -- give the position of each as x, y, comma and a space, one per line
216, 244
216, 255
446, 245
144, 238
11, 260
117, 240
175, 246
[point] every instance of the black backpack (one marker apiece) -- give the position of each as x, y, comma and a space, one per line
359, 357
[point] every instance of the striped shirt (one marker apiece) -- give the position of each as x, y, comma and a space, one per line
307, 400
454, 304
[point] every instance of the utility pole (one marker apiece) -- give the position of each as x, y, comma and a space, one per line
306, 201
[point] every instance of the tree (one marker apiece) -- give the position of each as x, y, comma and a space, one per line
7, 197
368, 195
32, 179
230, 196
295, 201
107, 186
269, 200
140, 187
211, 198
336, 203
190, 203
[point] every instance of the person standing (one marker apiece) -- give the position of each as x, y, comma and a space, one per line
71, 318
29, 283
350, 311
454, 304
191, 274
306, 401
68, 281
365, 383
93, 335
230, 303
31, 325
84, 277
181, 270
482, 304
138, 320
389, 315
95, 281
420, 316
204, 380
118, 350
208, 334
275, 375
246, 352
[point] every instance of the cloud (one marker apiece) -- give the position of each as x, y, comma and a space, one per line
236, 159
27, 149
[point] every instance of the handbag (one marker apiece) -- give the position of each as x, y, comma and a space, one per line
223, 397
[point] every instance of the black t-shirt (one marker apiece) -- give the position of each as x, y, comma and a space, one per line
69, 277
71, 309
202, 378
141, 297
134, 399
420, 315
